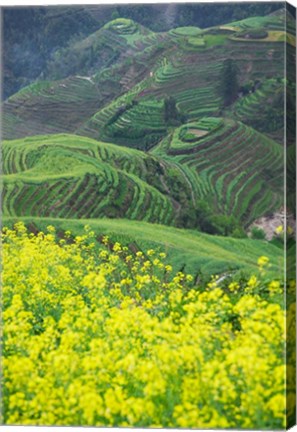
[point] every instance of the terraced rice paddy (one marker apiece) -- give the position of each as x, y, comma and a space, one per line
91, 179
185, 63
239, 168
263, 108
68, 104
202, 155
50, 107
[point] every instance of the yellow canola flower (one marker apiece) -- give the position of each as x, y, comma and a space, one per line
117, 247
99, 338
51, 229
279, 230
274, 287
233, 287
263, 261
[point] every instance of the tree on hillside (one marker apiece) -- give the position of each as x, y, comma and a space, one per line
171, 114
229, 82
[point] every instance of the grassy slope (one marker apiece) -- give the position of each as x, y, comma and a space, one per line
185, 248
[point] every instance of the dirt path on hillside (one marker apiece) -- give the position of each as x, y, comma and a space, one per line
269, 224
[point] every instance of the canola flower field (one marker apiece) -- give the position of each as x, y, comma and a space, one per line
109, 338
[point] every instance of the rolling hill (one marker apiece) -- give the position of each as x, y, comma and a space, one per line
235, 166
113, 96
70, 176
231, 166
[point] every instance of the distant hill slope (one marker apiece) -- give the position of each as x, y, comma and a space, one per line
114, 42
31, 35
121, 75
95, 70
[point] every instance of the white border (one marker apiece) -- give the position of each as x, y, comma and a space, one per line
99, 2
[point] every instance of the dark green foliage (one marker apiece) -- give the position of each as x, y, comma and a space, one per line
120, 111
238, 233
32, 34
227, 226
229, 82
258, 233
204, 218
171, 115
249, 87
253, 34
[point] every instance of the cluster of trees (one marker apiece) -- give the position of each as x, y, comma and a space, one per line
172, 116
204, 218
229, 83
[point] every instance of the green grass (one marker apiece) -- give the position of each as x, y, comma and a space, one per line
186, 31
193, 251
215, 40
196, 41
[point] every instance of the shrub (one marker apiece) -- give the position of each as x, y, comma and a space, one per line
253, 34
258, 233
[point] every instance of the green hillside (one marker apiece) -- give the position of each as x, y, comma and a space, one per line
82, 78
225, 164
191, 72
71, 176
262, 108
237, 168
140, 125
187, 250
30, 48
114, 42
112, 84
